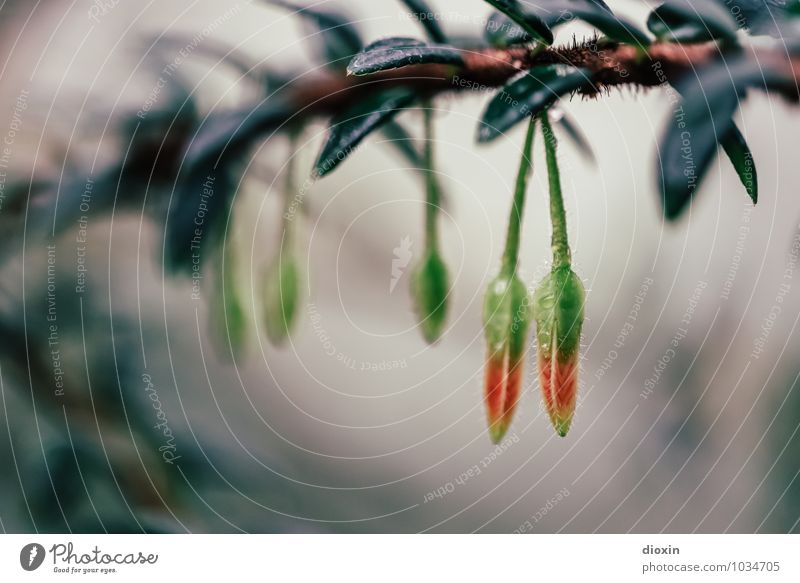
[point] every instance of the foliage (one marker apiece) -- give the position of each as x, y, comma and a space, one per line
701, 125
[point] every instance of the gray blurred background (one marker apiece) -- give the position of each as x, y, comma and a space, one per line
357, 425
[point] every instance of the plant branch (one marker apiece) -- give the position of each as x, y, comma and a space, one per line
611, 65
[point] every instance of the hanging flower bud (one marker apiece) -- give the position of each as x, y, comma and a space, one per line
429, 281
281, 297
506, 319
429, 288
558, 307
228, 318
282, 278
506, 316
558, 310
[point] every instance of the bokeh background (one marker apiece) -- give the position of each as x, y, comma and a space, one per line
689, 407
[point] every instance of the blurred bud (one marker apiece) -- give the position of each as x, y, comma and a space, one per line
558, 310
229, 323
281, 297
228, 320
506, 317
429, 288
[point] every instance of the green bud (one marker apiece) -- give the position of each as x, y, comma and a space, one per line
506, 317
429, 289
228, 319
229, 323
558, 310
506, 313
281, 297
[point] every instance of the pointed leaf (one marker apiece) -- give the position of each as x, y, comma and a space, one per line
392, 53
691, 21
740, 156
197, 212
354, 124
597, 14
705, 119
615, 27
526, 95
336, 37
212, 159
577, 137
601, 5
503, 32
690, 145
397, 135
532, 23
427, 18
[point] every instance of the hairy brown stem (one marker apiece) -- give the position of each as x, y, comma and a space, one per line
611, 64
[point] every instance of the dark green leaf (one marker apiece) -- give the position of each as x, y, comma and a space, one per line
213, 158
691, 141
601, 5
695, 21
336, 35
392, 53
403, 142
354, 124
740, 156
577, 137
503, 32
427, 17
598, 15
532, 23
614, 27
197, 211
705, 119
398, 136
762, 16
526, 95
678, 30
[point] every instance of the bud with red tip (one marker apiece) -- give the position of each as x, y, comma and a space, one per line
558, 310
506, 316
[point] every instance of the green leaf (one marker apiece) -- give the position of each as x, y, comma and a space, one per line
503, 32
740, 156
392, 53
354, 124
601, 5
691, 142
705, 118
695, 21
427, 18
597, 14
212, 160
526, 95
577, 137
615, 27
336, 37
204, 196
400, 139
532, 23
